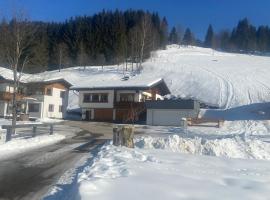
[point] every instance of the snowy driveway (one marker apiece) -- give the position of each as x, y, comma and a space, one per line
30, 175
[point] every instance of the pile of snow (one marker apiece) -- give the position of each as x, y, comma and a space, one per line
20, 145
235, 147
118, 173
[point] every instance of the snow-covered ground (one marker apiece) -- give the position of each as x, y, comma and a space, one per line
21, 145
171, 163
118, 173
199, 163
175, 163
23, 141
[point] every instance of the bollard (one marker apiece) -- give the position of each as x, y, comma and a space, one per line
8, 134
34, 131
51, 129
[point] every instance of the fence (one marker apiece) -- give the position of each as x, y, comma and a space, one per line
23, 129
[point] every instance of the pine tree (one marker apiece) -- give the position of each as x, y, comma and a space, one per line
164, 33
209, 38
173, 38
244, 36
188, 38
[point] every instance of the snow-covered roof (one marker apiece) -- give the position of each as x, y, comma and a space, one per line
133, 83
7, 74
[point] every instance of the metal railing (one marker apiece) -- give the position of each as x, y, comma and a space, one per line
7, 135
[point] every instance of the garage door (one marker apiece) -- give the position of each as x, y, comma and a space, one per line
166, 117
103, 114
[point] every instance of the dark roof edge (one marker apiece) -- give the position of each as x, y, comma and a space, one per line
112, 88
39, 81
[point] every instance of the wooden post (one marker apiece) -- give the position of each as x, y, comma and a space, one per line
123, 136
51, 129
34, 131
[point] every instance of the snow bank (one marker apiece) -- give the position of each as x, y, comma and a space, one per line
121, 173
110, 163
235, 147
16, 146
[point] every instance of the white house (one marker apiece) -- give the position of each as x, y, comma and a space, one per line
118, 100
38, 99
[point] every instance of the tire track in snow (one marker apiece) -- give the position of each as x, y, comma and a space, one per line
224, 83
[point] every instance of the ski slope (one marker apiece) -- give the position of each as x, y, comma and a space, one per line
223, 79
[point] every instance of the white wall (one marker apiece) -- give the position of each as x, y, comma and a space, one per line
167, 117
109, 104
57, 101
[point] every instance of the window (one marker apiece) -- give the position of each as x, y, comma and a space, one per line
38, 92
95, 97
49, 91
126, 97
51, 107
86, 98
33, 107
60, 109
104, 98
62, 94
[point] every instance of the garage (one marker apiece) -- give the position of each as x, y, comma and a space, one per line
170, 112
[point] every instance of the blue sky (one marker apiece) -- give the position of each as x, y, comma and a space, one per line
196, 14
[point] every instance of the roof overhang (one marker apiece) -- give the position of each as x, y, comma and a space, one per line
60, 80
160, 84
182, 104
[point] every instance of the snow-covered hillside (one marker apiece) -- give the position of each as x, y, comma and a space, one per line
223, 79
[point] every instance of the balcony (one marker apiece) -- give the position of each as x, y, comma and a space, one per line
128, 105
7, 96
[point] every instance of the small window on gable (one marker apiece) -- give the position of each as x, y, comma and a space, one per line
49, 91
51, 108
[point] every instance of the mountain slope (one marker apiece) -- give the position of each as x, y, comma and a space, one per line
222, 79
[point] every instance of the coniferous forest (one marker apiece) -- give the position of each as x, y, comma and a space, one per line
114, 37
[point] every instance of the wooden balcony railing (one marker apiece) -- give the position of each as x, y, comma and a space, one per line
128, 105
7, 96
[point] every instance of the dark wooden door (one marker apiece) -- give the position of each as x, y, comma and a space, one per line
88, 115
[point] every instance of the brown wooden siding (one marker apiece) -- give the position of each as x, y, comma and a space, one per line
121, 114
56, 85
7, 96
103, 114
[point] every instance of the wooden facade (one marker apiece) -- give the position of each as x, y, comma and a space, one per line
7, 96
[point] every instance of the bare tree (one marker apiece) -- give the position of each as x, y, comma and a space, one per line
82, 57
62, 55
134, 44
145, 28
19, 35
